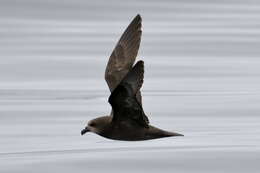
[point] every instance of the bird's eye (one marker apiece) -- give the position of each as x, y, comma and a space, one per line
92, 124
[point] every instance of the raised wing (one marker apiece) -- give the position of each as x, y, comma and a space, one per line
135, 77
123, 98
124, 54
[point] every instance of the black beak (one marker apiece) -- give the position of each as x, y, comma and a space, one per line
84, 131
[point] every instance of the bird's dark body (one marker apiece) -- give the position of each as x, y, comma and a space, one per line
130, 131
127, 120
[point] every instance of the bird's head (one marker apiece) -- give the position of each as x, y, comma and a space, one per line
96, 125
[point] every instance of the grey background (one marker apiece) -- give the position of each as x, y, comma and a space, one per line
201, 79
61, 40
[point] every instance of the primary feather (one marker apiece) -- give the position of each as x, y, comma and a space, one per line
123, 98
124, 55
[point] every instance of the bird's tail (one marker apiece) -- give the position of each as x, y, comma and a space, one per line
167, 134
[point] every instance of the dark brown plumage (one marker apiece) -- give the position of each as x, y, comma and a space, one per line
124, 54
123, 98
127, 120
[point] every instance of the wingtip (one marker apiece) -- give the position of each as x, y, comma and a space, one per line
138, 17
140, 62
140, 65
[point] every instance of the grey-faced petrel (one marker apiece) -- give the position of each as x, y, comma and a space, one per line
127, 120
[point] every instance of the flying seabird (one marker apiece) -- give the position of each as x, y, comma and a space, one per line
127, 120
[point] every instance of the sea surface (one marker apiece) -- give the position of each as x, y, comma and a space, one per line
202, 79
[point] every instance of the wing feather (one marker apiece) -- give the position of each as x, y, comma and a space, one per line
135, 77
123, 98
124, 54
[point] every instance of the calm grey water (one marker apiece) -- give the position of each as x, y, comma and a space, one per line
201, 79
